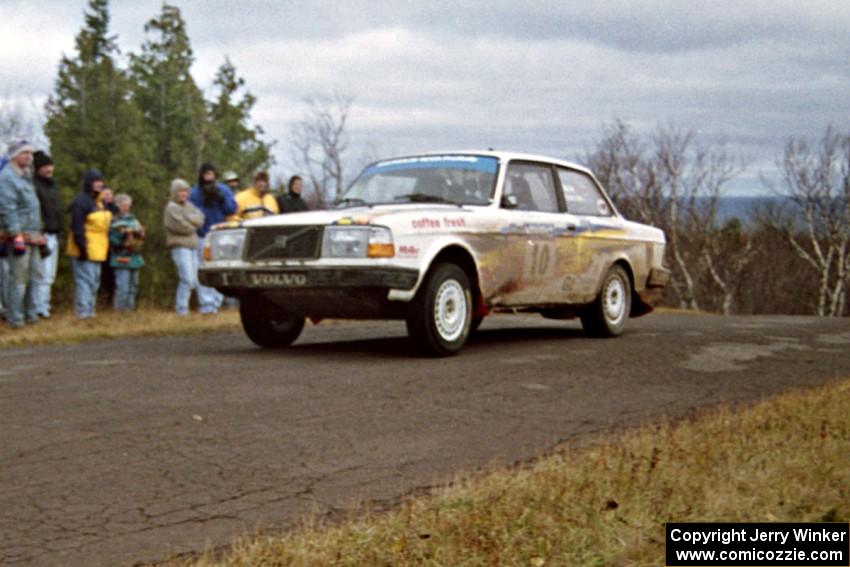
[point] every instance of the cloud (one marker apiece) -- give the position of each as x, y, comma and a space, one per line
540, 77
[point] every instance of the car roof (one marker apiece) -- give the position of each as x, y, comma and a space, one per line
502, 156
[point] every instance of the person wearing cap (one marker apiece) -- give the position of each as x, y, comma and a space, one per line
88, 244
21, 232
256, 202
51, 217
291, 201
182, 220
216, 201
231, 178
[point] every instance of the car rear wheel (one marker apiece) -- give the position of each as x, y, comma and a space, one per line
441, 316
607, 315
267, 324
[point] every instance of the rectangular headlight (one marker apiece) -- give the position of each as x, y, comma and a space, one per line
226, 244
357, 242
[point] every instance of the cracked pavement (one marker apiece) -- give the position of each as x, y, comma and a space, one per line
130, 451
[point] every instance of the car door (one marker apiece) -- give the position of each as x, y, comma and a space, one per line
540, 236
598, 233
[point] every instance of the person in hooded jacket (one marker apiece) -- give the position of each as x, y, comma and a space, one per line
88, 244
216, 202
51, 217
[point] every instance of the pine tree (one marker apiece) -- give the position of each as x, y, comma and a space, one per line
90, 120
231, 141
92, 123
170, 100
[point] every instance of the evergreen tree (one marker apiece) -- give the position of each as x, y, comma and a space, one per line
170, 100
231, 142
145, 126
90, 120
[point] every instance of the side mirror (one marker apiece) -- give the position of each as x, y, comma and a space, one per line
509, 202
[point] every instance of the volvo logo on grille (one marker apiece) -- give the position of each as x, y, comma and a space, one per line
280, 241
279, 279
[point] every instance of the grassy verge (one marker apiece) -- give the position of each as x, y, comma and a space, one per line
785, 459
63, 328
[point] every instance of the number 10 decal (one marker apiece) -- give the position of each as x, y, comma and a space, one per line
540, 259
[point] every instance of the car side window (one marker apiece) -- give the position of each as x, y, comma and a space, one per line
581, 194
533, 186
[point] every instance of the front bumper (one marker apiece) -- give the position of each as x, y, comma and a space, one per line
293, 278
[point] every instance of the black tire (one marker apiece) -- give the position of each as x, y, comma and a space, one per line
267, 324
607, 315
441, 315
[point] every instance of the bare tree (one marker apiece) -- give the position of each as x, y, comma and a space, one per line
675, 184
19, 120
729, 250
816, 221
319, 141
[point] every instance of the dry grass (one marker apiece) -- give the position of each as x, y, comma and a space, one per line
63, 328
785, 459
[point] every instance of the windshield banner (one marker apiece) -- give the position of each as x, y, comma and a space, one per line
473, 163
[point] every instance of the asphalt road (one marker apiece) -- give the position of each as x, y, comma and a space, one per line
128, 451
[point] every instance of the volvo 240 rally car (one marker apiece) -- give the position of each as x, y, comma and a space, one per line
440, 241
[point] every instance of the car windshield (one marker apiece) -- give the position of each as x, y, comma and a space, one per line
452, 179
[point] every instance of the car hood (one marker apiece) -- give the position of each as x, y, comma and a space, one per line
358, 215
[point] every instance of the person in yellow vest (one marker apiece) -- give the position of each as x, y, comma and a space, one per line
88, 245
255, 202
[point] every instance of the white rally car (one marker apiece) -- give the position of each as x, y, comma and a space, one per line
441, 240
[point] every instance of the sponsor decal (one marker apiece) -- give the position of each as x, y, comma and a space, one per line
429, 223
454, 222
426, 224
408, 250
475, 163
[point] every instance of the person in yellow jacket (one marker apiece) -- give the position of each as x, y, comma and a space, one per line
88, 244
255, 202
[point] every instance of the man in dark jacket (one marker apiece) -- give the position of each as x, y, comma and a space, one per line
291, 201
51, 218
216, 201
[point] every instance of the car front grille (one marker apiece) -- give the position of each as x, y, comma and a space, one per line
284, 243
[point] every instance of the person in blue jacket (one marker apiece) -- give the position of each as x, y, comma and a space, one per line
215, 200
20, 233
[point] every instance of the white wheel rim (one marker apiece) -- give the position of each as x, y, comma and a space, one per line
615, 301
450, 310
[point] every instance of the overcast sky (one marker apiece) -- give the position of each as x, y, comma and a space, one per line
541, 77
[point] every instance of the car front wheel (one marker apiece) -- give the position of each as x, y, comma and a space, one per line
440, 319
607, 315
267, 324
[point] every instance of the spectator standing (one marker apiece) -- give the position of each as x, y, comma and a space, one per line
50, 202
20, 223
107, 277
89, 242
182, 220
256, 202
231, 179
216, 202
291, 201
126, 236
